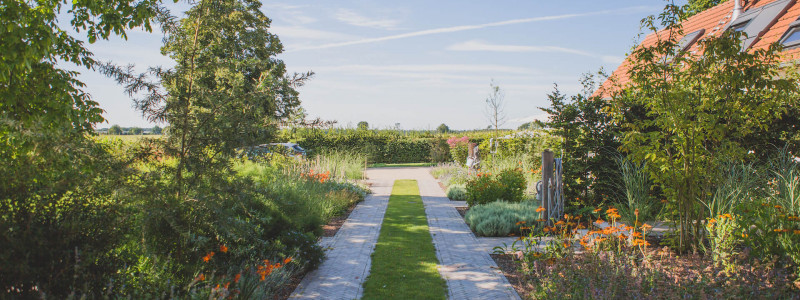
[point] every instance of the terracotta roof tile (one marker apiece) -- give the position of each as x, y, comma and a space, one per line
716, 19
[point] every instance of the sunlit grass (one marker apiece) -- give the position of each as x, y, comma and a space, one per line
404, 262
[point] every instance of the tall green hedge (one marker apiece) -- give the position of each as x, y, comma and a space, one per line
393, 146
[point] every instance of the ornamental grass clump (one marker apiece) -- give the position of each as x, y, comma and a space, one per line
457, 192
501, 218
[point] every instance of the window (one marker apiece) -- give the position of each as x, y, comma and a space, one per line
740, 26
756, 21
687, 41
791, 39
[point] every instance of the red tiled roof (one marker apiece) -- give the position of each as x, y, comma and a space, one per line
716, 19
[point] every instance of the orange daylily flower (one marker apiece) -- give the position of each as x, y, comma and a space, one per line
223, 249
208, 256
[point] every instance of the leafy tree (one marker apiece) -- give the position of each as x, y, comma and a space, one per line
115, 129
696, 6
590, 141
58, 224
227, 90
699, 107
495, 106
157, 130
135, 130
443, 128
363, 125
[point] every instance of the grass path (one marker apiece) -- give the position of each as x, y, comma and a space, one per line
404, 261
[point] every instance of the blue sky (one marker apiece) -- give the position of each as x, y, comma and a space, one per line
418, 63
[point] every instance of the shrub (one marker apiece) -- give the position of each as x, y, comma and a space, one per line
483, 189
459, 149
512, 182
440, 151
500, 218
457, 192
509, 185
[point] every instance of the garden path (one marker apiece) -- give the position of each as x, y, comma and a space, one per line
347, 254
464, 261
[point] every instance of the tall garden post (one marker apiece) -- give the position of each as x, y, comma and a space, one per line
547, 175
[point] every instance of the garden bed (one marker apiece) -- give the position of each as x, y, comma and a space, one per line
333, 226
666, 276
462, 210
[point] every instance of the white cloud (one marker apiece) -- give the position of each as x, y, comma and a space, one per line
470, 27
351, 17
292, 14
303, 33
454, 68
476, 45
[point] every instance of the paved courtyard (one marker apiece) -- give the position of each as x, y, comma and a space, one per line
464, 260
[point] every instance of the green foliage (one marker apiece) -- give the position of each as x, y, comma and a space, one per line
443, 128
698, 108
363, 125
589, 142
378, 146
694, 7
483, 189
770, 225
636, 202
136, 131
32, 88
508, 185
440, 151
115, 129
342, 165
156, 130
224, 51
500, 218
459, 149
513, 183
404, 264
60, 222
457, 192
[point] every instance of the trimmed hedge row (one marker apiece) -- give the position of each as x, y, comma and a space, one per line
386, 146
378, 148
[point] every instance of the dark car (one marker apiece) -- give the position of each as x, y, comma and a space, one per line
291, 148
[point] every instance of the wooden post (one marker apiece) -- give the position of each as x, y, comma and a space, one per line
547, 175
471, 149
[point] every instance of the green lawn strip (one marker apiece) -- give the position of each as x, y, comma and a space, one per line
404, 262
403, 165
